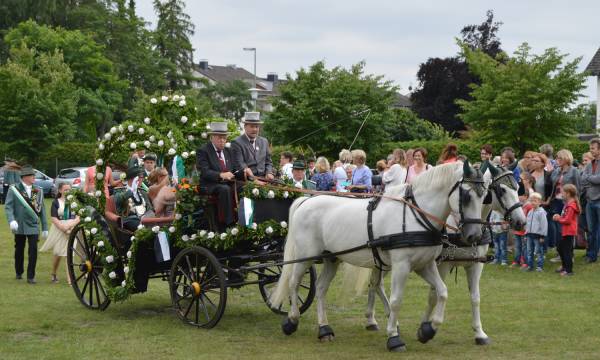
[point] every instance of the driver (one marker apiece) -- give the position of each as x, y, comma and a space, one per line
251, 154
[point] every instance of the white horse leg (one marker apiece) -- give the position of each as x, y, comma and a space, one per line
443, 269
290, 323
428, 329
323, 282
473, 277
400, 273
376, 287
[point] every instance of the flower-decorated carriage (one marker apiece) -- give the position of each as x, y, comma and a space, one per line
107, 262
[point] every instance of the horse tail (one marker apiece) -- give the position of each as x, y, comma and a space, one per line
355, 278
289, 253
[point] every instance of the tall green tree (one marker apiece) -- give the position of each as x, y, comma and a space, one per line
332, 105
522, 100
172, 39
441, 81
101, 90
37, 102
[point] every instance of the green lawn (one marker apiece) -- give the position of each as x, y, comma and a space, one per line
527, 315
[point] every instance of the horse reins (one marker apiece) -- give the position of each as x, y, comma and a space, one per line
270, 184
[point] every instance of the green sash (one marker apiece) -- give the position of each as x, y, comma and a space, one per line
23, 201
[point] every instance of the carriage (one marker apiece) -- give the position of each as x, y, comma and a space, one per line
199, 277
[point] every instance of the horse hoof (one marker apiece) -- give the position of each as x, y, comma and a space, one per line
372, 327
483, 341
326, 333
426, 332
288, 327
396, 344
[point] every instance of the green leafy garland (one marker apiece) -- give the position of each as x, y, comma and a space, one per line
169, 115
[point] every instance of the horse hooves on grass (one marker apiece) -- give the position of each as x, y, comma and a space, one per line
396, 344
326, 333
288, 327
372, 327
426, 332
483, 341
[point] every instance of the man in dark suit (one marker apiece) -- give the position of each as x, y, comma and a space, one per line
215, 162
251, 154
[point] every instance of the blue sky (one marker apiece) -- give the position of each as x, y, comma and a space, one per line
393, 37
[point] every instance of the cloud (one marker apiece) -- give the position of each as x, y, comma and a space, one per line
393, 37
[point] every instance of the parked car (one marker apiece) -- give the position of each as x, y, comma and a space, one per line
42, 180
45, 182
74, 176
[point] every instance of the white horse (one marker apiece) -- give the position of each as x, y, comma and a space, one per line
329, 224
504, 199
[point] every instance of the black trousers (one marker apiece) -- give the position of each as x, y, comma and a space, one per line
20, 254
225, 196
565, 250
4, 193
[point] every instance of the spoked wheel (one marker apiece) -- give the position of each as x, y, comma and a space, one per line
268, 278
85, 271
197, 285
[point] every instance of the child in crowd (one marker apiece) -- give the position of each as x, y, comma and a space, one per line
520, 253
568, 220
537, 230
500, 237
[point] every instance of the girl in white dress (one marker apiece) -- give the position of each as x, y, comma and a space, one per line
62, 224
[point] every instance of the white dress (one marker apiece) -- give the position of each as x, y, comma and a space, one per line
57, 240
395, 175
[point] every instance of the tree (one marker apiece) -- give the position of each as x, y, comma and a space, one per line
584, 118
442, 81
229, 100
101, 90
172, 38
409, 127
37, 102
329, 107
523, 100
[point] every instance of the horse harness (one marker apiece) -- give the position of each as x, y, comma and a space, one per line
431, 236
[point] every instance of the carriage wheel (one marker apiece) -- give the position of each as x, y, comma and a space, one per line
197, 285
85, 270
268, 278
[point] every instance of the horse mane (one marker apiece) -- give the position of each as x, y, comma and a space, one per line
437, 176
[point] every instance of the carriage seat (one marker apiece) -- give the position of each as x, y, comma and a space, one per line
110, 213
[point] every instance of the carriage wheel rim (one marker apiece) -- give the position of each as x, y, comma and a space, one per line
197, 289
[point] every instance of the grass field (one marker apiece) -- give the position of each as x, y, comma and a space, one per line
527, 316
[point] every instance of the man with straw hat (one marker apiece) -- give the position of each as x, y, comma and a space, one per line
215, 162
251, 154
25, 212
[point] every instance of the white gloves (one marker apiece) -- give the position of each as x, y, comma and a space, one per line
45, 234
14, 226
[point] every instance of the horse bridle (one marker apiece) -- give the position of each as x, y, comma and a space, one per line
498, 191
465, 197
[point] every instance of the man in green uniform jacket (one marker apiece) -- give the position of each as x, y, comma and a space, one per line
25, 211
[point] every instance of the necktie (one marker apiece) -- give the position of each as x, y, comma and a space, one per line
222, 161
252, 144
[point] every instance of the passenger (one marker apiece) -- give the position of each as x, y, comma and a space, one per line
161, 193
251, 154
131, 202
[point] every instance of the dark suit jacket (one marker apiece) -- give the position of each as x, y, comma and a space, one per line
245, 157
209, 166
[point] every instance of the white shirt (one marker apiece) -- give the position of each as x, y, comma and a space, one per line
27, 188
339, 176
395, 175
220, 155
286, 170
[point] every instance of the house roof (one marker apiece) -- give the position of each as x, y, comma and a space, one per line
224, 73
594, 65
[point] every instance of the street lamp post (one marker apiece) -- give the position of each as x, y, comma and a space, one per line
253, 49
